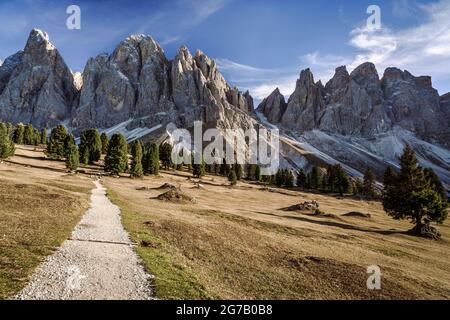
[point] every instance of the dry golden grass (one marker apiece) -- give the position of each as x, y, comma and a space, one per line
39, 206
239, 243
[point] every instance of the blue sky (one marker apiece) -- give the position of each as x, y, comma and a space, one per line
259, 45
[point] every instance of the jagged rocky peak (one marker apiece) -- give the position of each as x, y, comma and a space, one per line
305, 104
39, 87
273, 107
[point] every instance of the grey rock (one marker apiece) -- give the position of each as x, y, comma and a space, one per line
37, 86
273, 107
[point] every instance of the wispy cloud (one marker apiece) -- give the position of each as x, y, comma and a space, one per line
423, 49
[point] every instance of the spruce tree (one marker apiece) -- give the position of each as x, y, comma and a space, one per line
198, 169
389, 176
257, 173
136, 164
232, 177
7, 147
90, 146
410, 195
435, 183
55, 145
72, 156
116, 160
151, 160
279, 178
301, 178
19, 133
369, 184
28, 136
43, 136
289, 180
36, 137
165, 155
105, 141
239, 171
316, 177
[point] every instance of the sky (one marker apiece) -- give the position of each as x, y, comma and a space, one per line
258, 44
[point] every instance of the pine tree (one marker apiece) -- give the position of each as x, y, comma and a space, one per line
116, 160
7, 147
257, 173
232, 177
389, 176
28, 136
435, 183
410, 195
43, 136
105, 141
151, 160
224, 168
165, 155
289, 180
198, 169
71, 150
90, 146
18, 134
316, 177
369, 184
301, 178
239, 171
279, 178
36, 137
136, 164
55, 145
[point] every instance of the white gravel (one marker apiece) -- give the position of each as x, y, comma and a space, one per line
97, 262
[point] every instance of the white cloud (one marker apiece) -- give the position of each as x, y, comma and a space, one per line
423, 49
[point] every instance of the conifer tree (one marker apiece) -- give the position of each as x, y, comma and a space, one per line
90, 146
105, 141
19, 134
55, 145
389, 176
198, 169
316, 176
36, 137
411, 195
289, 180
71, 150
151, 161
257, 173
232, 177
43, 136
369, 184
165, 155
136, 163
7, 147
435, 183
116, 160
28, 136
239, 171
301, 178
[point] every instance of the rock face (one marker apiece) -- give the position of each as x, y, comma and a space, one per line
36, 85
273, 106
136, 85
363, 105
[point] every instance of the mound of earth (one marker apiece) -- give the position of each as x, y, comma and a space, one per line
357, 214
167, 186
175, 195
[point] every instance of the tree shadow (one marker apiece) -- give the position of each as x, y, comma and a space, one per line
335, 224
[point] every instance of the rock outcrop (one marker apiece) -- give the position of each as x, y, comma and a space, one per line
274, 106
36, 85
363, 105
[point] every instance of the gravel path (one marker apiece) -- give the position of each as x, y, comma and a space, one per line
97, 262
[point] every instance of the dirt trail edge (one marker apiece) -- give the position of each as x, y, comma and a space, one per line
97, 262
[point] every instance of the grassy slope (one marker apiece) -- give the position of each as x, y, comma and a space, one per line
238, 243
38, 210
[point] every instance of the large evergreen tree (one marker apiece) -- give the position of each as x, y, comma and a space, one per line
136, 164
55, 145
165, 155
19, 133
316, 177
90, 146
151, 160
301, 178
257, 173
43, 136
232, 177
71, 150
411, 195
198, 169
239, 171
28, 136
105, 141
116, 160
369, 183
7, 147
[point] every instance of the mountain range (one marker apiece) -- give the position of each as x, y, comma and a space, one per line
356, 119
